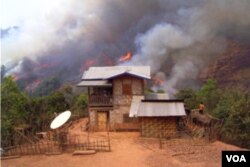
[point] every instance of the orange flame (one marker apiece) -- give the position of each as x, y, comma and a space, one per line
42, 66
87, 64
126, 57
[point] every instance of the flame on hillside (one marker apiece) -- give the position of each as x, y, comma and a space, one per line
108, 60
15, 77
33, 85
87, 64
126, 57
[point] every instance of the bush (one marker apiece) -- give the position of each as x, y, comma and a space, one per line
160, 91
81, 104
231, 106
13, 108
190, 98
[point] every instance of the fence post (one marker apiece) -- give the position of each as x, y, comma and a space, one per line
160, 143
109, 147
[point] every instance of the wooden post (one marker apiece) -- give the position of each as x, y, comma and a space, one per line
109, 146
160, 143
21, 148
88, 133
48, 147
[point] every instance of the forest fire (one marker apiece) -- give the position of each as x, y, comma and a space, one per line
32, 86
87, 64
126, 57
108, 60
43, 66
15, 77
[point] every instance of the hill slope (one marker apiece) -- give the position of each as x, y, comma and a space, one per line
232, 68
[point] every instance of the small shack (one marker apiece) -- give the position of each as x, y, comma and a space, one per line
159, 118
203, 124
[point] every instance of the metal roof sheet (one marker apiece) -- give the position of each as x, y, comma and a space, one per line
94, 83
112, 71
161, 109
136, 100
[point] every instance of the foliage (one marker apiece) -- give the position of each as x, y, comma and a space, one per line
19, 109
231, 106
148, 91
80, 105
209, 94
81, 101
234, 109
190, 98
67, 91
13, 107
13, 102
56, 102
160, 91
47, 86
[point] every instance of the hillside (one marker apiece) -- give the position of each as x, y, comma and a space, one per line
232, 68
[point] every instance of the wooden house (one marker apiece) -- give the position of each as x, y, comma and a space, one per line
158, 117
110, 92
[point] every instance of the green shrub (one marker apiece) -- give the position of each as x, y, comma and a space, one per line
231, 106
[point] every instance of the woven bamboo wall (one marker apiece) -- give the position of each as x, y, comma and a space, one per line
158, 126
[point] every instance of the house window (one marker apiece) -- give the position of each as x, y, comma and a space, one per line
126, 89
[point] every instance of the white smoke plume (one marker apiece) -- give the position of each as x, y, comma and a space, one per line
197, 35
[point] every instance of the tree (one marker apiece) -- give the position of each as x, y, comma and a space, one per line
231, 106
13, 101
80, 105
3, 71
209, 94
190, 98
67, 91
47, 86
13, 108
234, 108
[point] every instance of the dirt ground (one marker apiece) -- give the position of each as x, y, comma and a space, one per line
128, 149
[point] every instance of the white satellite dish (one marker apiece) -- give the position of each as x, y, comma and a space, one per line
61, 119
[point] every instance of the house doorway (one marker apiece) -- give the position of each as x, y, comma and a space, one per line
102, 120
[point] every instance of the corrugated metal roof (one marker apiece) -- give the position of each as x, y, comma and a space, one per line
152, 109
112, 71
136, 100
94, 83
161, 109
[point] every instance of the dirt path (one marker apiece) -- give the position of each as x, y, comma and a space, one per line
125, 152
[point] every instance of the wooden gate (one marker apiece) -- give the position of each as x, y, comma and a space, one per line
102, 120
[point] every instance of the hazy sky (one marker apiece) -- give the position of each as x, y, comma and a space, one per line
16, 12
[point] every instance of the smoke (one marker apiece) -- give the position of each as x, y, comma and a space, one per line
198, 34
175, 37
